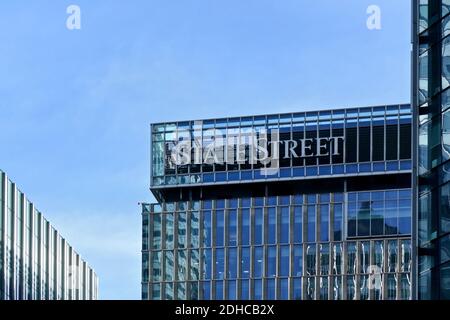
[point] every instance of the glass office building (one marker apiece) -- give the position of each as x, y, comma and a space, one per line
431, 110
36, 263
324, 212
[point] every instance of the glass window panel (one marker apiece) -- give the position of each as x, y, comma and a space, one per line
364, 257
283, 289
232, 263
169, 271
284, 232
245, 232
270, 289
284, 261
168, 291
310, 288
245, 262
351, 257
156, 238
220, 228
232, 287
195, 265
324, 222
311, 259
311, 215
259, 230
232, 228
405, 262
219, 290
245, 289
337, 258
271, 261
405, 287
156, 265
220, 264
195, 230
207, 264
351, 287
169, 230
391, 287
337, 222
298, 224
182, 227
298, 261
207, 230
392, 256
182, 265
271, 225
297, 288
258, 262
323, 288
257, 289
206, 290
337, 288
181, 290
364, 285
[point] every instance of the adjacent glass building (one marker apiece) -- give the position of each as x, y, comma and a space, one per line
431, 109
36, 263
331, 219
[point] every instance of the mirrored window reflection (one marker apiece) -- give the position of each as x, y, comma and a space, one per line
351, 257
310, 288
219, 289
182, 265
351, 287
324, 259
337, 288
206, 290
195, 231
182, 229
323, 288
297, 288
271, 261
338, 260
391, 287
297, 268
169, 266
338, 220
207, 231
311, 215
195, 264
311, 259
169, 230
207, 264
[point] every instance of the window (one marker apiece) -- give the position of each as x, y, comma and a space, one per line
337, 222
232, 227
258, 262
284, 232
182, 229
245, 290
232, 263
220, 264
311, 215
245, 233
169, 230
258, 237
311, 260
324, 222
207, 228
207, 264
270, 289
298, 224
245, 263
271, 227
220, 225
271, 261
284, 261
298, 261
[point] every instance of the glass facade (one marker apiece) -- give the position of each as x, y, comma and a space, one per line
36, 263
330, 226
257, 250
431, 75
368, 140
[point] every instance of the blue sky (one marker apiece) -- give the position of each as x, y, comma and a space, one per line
75, 106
